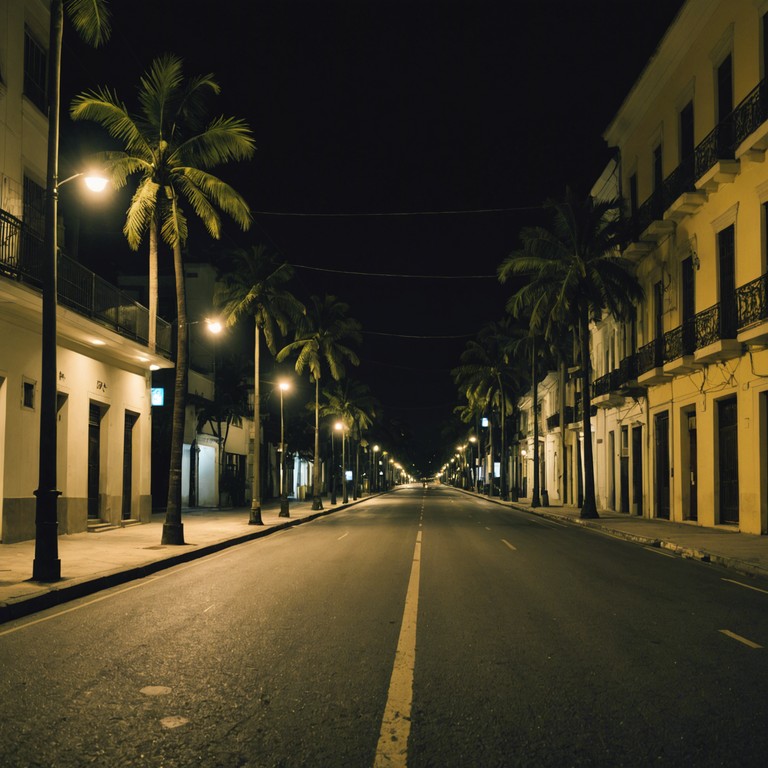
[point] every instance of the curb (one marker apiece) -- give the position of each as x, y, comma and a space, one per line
59, 593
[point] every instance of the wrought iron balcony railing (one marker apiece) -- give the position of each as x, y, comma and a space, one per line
21, 258
719, 144
752, 302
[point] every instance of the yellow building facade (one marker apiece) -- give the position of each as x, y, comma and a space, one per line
686, 385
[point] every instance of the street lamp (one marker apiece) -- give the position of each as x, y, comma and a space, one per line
375, 468
339, 426
47, 565
284, 386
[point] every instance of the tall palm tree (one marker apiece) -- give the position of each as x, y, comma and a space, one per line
171, 145
91, 20
485, 376
321, 344
575, 273
255, 288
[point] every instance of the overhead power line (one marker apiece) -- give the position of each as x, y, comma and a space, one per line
398, 213
393, 274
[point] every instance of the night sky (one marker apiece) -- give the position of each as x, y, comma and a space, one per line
464, 115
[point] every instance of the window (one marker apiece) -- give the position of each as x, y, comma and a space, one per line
35, 72
28, 394
33, 214
633, 194
686, 135
658, 174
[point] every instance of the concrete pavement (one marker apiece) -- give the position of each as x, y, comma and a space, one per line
94, 561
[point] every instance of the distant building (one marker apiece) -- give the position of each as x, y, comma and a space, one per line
104, 422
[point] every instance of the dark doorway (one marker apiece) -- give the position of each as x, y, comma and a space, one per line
130, 420
693, 501
637, 469
662, 465
94, 460
624, 472
728, 460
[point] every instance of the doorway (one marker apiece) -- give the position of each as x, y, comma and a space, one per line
693, 502
637, 469
94, 460
728, 460
661, 424
130, 420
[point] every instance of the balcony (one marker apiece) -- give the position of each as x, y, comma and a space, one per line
752, 307
751, 125
650, 364
605, 390
679, 348
715, 330
740, 137
79, 289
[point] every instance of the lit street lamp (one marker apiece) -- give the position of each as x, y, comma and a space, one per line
284, 386
47, 565
344, 498
375, 469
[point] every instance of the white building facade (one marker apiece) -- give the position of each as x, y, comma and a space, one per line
104, 412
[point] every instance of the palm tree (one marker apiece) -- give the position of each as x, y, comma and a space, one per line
485, 376
354, 404
171, 144
575, 273
90, 19
254, 287
320, 344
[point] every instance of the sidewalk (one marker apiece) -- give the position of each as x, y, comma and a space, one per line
94, 561
742, 552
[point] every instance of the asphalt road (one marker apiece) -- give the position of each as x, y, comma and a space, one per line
473, 634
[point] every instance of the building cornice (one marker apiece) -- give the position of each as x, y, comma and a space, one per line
674, 46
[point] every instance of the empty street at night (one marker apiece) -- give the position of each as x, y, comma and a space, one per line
475, 634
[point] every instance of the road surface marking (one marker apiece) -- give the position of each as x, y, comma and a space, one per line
657, 551
174, 721
548, 523
208, 608
487, 528
510, 545
747, 586
741, 639
342, 536
392, 749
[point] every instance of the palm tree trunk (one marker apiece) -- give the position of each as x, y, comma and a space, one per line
535, 500
317, 502
589, 508
255, 516
561, 468
152, 297
173, 528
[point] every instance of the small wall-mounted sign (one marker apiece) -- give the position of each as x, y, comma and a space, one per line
157, 396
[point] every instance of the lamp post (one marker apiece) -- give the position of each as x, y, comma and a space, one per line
375, 469
344, 497
47, 565
284, 386
473, 475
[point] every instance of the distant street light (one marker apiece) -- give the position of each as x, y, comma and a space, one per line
47, 565
339, 426
284, 386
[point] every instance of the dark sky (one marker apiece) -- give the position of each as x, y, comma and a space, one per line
387, 107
